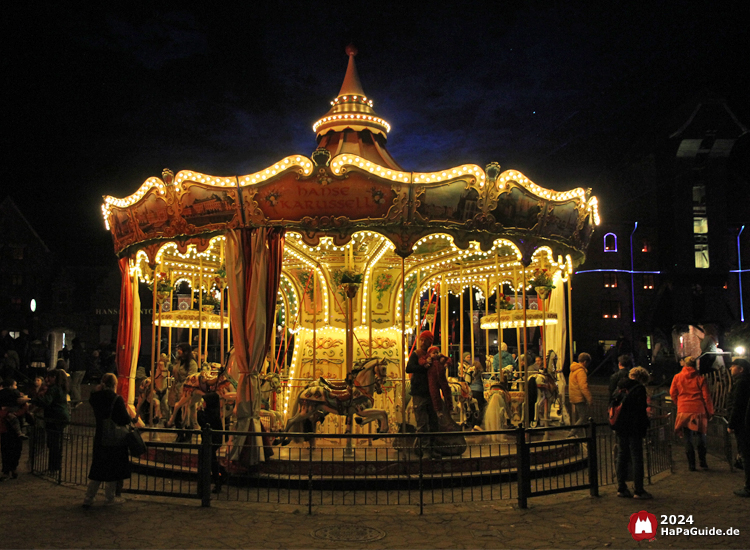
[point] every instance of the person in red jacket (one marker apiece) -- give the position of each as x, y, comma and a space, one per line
689, 392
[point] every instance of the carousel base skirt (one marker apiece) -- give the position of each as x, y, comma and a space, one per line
484, 460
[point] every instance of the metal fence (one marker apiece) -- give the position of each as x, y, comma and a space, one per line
334, 469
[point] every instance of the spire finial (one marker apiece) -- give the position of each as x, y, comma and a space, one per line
351, 83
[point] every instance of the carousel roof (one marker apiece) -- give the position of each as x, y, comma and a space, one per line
351, 184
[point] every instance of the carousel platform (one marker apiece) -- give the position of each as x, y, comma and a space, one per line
389, 458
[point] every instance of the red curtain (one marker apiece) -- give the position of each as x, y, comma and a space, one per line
124, 330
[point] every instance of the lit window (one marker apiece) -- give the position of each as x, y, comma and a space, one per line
611, 309
700, 227
610, 242
645, 246
648, 282
610, 280
701, 252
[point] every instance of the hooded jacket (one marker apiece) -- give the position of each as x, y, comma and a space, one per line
578, 384
689, 391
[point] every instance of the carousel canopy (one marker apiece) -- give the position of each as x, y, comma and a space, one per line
350, 197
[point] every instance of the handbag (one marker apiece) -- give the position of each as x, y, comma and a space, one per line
113, 435
135, 443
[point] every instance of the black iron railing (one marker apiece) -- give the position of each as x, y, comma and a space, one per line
333, 469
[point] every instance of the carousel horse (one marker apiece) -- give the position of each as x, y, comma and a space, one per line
497, 415
544, 385
320, 399
193, 390
270, 383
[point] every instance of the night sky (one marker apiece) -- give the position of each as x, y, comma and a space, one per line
98, 100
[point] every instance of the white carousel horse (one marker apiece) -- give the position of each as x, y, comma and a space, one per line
318, 400
270, 383
545, 384
497, 415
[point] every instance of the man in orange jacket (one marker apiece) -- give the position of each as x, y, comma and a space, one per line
578, 390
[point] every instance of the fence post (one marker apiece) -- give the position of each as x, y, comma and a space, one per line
310, 475
421, 473
593, 461
204, 467
523, 468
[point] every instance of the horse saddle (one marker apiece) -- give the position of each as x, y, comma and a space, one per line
323, 392
335, 386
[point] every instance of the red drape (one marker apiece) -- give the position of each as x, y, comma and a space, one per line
124, 330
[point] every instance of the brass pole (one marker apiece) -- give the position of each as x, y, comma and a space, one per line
403, 345
443, 316
498, 310
315, 323
570, 316
524, 375
487, 331
154, 317
461, 317
221, 303
471, 318
200, 310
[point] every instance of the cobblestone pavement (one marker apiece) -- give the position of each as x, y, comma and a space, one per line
40, 514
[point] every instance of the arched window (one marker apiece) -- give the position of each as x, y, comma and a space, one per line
610, 242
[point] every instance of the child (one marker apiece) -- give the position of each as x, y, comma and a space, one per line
438, 382
11, 401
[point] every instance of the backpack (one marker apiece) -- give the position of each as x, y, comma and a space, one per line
615, 406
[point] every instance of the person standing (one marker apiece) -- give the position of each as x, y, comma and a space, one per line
109, 464
578, 390
631, 427
424, 411
77, 371
624, 364
54, 402
689, 391
739, 418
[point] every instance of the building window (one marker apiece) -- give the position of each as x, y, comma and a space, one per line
15, 303
611, 309
610, 280
645, 245
700, 227
610, 242
648, 282
17, 279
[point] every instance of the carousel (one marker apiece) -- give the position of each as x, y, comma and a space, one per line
321, 270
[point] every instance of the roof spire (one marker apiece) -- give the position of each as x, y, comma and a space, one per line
351, 108
351, 84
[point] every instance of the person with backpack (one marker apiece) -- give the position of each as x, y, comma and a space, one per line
689, 391
630, 425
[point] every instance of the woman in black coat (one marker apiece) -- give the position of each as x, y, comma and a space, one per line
631, 428
108, 464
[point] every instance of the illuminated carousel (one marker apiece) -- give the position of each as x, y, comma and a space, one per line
323, 262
